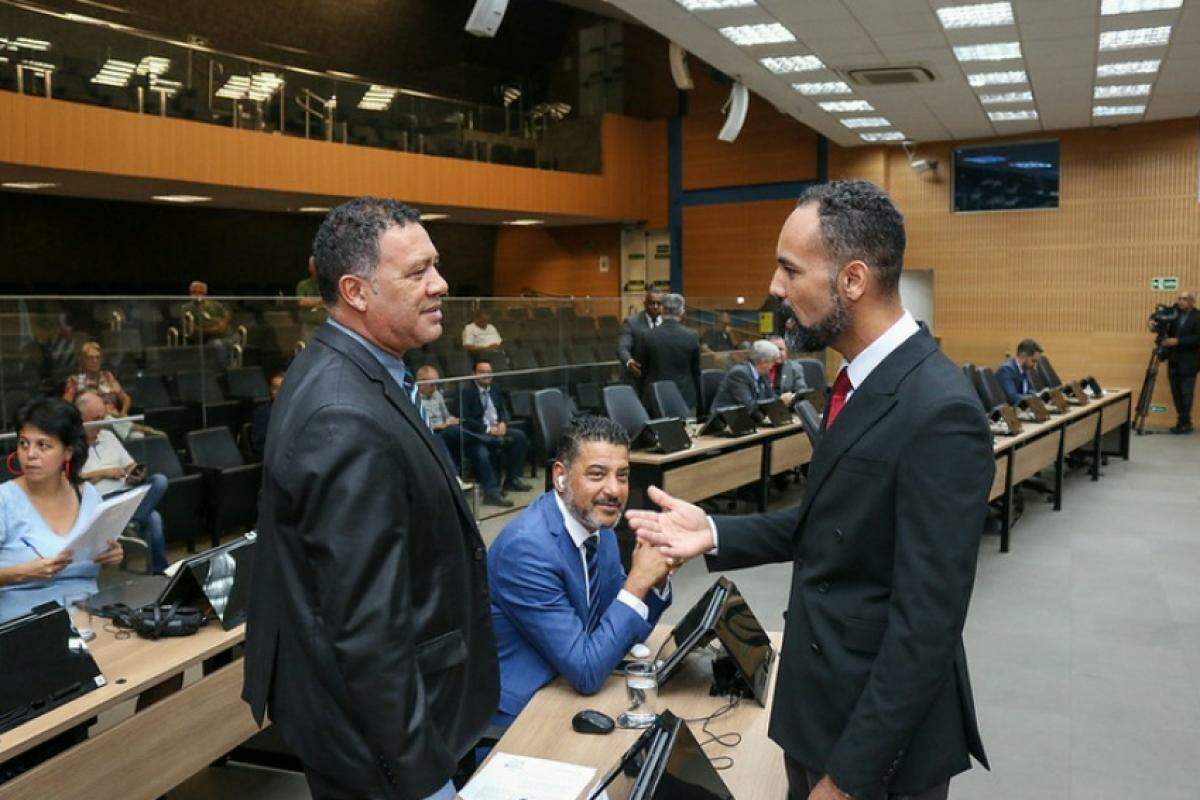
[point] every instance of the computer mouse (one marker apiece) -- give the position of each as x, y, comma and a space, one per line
592, 721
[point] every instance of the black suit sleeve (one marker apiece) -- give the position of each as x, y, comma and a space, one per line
1192, 338
740, 388
472, 410
750, 540
1010, 381
941, 503
354, 531
625, 342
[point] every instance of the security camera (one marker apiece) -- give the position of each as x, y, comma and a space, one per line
921, 165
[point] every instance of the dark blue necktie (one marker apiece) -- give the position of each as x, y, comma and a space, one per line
409, 384
592, 560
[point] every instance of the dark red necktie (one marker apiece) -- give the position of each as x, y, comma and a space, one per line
841, 387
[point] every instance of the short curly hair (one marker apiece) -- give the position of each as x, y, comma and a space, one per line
347, 242
61, 420
860, 223
588, 428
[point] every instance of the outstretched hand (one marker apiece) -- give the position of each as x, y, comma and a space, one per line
681, 530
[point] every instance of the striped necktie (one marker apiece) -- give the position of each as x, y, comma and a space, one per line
592, 560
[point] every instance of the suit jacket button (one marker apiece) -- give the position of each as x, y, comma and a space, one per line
837, 534
816, 648
823, 588
479, 554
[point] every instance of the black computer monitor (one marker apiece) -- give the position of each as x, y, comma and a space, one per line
746, 643
669, 434
218, 578
694, 631
772, 412
728, 421
665, 763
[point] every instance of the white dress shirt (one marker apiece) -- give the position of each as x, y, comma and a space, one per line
475, 336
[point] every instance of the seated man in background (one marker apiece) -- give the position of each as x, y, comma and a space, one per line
1014, 374
787, 376
446, 427
111, 470
747, 383
260, 421
561, 601
717, 339
211, 317
480, 336
486, 419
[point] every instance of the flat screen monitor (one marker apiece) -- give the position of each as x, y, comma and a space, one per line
1006, 177
665, 763
218, 578
693, 631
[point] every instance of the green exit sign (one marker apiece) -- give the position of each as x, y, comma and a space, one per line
1157, 409
1165, 284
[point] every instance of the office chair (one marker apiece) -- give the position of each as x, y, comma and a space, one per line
550, 414
232, 483
668, 400
710, 382
181, 506
623, 407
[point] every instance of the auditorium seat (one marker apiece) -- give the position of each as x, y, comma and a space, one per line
182, 506
624, 408
814, 374
247, 383
232, 484
710, 381
668, 400
550, 415
1046, 370
989, 388
588, 395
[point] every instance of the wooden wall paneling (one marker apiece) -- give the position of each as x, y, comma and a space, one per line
730, 249
558, 260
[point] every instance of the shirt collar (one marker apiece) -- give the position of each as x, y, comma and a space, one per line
579, 534
874, 353
395, 366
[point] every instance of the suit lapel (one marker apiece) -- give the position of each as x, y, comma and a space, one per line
576, 588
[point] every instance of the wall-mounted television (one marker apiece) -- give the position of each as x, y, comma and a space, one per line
1006, 177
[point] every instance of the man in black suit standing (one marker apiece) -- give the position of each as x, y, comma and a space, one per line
369, 640
873, 699
671, 352
1183, 359
634, 327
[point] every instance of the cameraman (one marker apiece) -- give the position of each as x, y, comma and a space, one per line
1183, 359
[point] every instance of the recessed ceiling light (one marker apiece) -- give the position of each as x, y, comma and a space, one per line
1136, 6
867, 122
834, 106
1012, 116
781, 65
313, 209
115, 73
1124, 90
1127, 68
182, 198
522, 222
432, 217
1006, 97
996, 51
884, 136
984, 15
1135, 37
28, 185
378, 98
997, 78
750, 35
712, 5
1118, 111
824, 87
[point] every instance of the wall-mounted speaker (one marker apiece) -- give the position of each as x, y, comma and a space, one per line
679, 68
486, 17
735, 112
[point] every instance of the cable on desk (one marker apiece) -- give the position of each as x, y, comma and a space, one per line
730, 739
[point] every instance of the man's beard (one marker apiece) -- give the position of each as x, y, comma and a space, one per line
827, 330
587, 516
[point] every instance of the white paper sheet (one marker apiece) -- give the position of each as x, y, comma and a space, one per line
107, 522
509, 777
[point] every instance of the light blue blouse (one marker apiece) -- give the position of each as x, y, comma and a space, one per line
20, 520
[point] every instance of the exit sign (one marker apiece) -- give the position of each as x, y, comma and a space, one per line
1164, 284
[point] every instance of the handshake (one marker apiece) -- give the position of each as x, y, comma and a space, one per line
666, 539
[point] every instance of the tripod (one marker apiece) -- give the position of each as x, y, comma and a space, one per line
1146, 395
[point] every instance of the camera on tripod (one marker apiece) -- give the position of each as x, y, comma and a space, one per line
1160, 325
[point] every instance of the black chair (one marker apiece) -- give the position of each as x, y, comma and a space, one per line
814, 374
550, 415
668, 400
150, 397
457, 364
1046, 370
968, 371
623, 407
232, 483
989, 388
588, 394
149, 391
247, 383
182, 506
201, 390
710, 381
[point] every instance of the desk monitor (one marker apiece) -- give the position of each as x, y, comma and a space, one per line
43, 664
728, 421
746, 643
694, 631
217, 578
1054, 398
669, 434
665, 763
772, 412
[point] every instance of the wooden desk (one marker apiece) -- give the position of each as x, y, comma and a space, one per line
544, 728
156, 749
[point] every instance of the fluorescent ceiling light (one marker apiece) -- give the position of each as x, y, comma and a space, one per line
431, 217
182, 198
377, 98
263, 85
782, 65
1118, 111
834, 106
163, 86
1135, 37
25, 43
996, 51
1006, 97
522, 222
750, 35
115, 73
1012, 116
984, 15
313, 209
153, 65
712, 5
884, 136
39, 67
866, 122
825, 87
1127, 68
1124, 90
985, 160
235, 87
1136, 6
28, 185
978, 79
1033, 165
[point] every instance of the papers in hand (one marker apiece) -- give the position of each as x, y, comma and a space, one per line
107, 522
509, 777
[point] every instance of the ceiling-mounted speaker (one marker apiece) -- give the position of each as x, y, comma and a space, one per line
486, 17
735, 112
679, 68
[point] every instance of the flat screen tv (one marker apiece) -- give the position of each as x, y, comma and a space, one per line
1006, 177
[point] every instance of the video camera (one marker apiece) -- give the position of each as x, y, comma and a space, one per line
1160, 325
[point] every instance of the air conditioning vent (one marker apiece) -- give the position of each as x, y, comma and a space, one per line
890, 76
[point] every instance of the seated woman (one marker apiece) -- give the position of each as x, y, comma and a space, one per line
101, 381
44, 505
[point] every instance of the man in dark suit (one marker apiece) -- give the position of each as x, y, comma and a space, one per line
671, 352
369, 640
1015, 374
747, 383
634, 327
489, 432
1183, 359
787, 374
873, 698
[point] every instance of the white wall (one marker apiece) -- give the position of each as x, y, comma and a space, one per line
916, 292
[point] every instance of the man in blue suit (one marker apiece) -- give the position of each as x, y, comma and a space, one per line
1014, 374
561, 601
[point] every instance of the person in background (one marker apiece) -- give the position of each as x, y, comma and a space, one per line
1183, 360
747, 383
44, 505
311, 307
260, 420
479, 336
1014, 374
111, 470
670, 352
93, 376
787, 376
633, 328
446, 427
718, 340
486, 419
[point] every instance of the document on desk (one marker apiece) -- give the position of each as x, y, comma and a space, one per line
107, 522
510, 777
